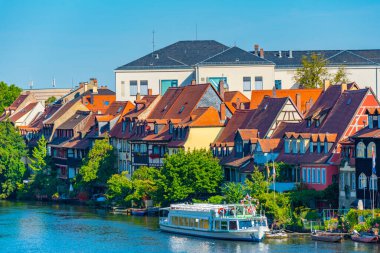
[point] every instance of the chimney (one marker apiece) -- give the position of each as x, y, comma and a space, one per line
193, 82
238, 103
343, 87
95, 89
279, 54
150, 92
85, 86
256, 47
298, 101
290, 54
221, 89
261, 53
222, 112
138, 96
326, 84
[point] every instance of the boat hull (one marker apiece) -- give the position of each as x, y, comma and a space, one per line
252, 236
327, 238
366, 239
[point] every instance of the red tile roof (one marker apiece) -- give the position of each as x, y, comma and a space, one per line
13, 118
307, 97
268, 145
21, 98
235, 99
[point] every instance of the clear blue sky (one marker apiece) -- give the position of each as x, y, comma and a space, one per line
78, 39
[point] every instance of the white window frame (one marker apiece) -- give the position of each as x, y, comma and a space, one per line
362, 181
323, 176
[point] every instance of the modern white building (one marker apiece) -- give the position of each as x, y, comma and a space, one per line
362, 66
208, 61
205, 61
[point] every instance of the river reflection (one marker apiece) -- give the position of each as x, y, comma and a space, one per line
41, 227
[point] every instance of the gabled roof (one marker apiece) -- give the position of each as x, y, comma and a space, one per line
37, 123
237, 121
19, 100
247, 134
334, 57
182, 54
235, 56
22, 112
268, 145
307, 97
235, 99
367, 133
203, 117
76, 119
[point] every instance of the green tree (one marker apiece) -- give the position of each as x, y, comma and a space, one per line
233, 192
50, 100
256, 183
341, 76
39, 157
119, 187
98, 166
12, 151
313, 72
8, 94
190, 174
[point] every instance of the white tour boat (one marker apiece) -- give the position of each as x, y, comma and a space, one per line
230, 222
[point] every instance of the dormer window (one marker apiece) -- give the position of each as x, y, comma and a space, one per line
308, 123
182, 108
124, 126
171, 128
317, 123
311, 147
130, 126
155, 129
287, 146
302, 146
370, 121
326, 147
318, 147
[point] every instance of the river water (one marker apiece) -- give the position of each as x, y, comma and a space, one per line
41, 227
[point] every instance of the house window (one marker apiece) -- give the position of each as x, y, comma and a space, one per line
122, 87
362, 181
287, 146
123, 126
373, 182
143, 148
170, 128
258, 83
302, 146
318, 147
371, 148
278, 84
304, 175
239, 147
360, 150
353, 181
341, 180
295, 146
323, 175
70, 152
308, 175
144, 87
370, 122
326, 147
313, 177
156, 150
311, 147
318, 175
308, 123
166, 84
156, 129
133, 88
247, 83
317, 123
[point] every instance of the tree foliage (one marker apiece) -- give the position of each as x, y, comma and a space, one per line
98, 166
8, 94
119, 187
50, 100
12, 151
341, 76
313, 72
233, 192
38, 160
256, 183
190, 174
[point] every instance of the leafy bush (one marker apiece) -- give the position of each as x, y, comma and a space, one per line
217, 199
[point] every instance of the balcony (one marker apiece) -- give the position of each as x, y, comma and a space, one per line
140, 158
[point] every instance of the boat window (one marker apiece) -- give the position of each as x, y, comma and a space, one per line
217, 224
224, 225
192, 222
204, 224
233, 225
196, 223
244, 224
174, 220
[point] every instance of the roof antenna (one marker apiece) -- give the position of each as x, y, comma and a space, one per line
196, 31
31, 85
153, 40
53, 83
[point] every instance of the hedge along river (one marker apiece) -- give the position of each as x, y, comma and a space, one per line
42, 227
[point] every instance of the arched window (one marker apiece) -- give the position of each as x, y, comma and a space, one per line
371, 146
373, 182
362, 181
360, 150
